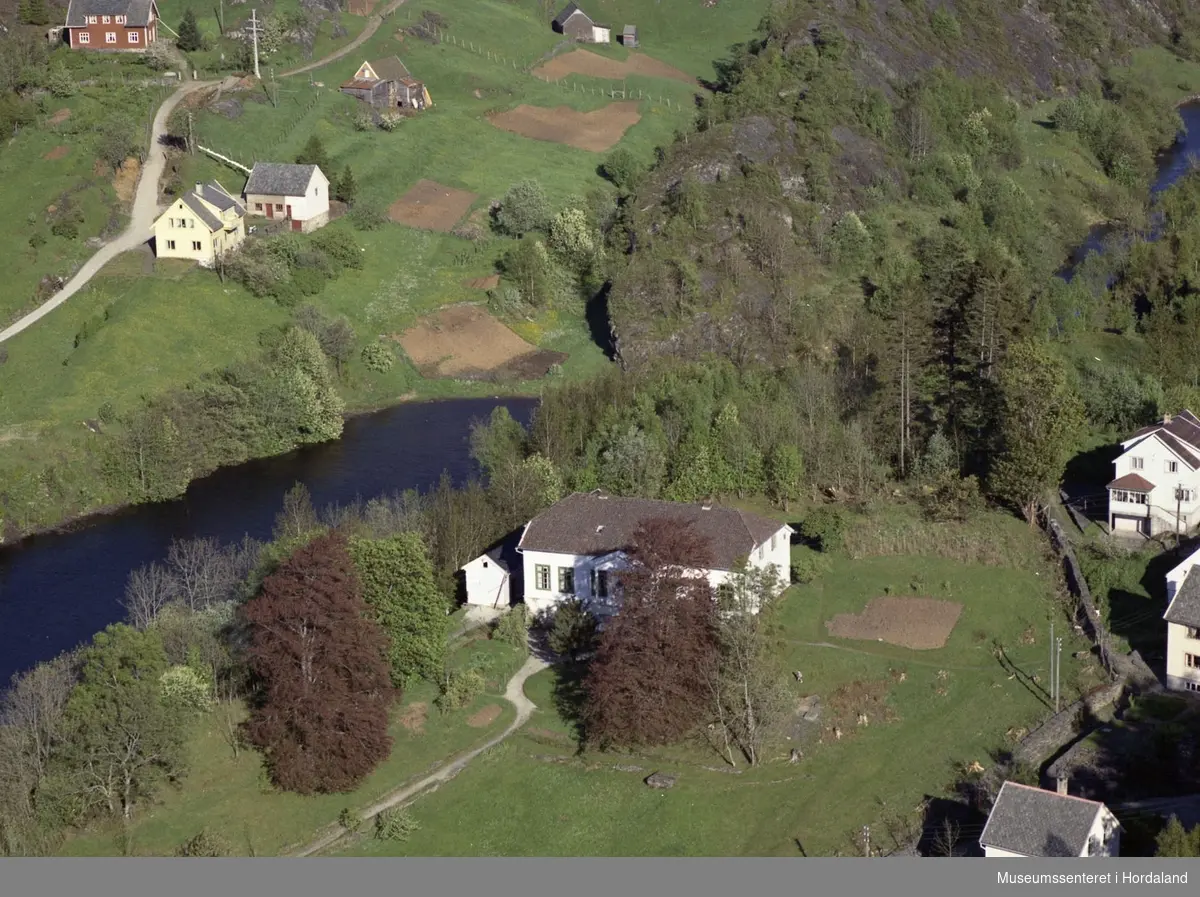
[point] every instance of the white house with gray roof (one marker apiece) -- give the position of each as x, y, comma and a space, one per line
201, 225
1033, 822
1183, 625
1156, 484
295, 193
577, 548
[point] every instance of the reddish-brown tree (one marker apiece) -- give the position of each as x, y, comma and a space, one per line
321, 666
649, 682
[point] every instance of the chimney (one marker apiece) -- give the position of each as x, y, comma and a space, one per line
199, 188
1166, 418
706, 505
1061, 781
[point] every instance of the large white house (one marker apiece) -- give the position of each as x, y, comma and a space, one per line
577, 548
1157, 478
1183, 626
1033, 822
297, 193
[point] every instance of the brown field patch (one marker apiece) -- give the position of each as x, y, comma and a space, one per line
483, 283
465, 342
593, 65
431, 206
414, 716
917, 623
360, 7
60, 116
57, 153
485, 717
595, 131
125, 182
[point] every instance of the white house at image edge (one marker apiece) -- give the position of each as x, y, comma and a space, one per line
1032, 822
297, 193
578, 547
1157, 478
1183, 626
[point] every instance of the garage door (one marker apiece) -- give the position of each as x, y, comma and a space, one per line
1127, 524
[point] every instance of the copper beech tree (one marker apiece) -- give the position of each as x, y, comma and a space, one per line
321, 715
650, 681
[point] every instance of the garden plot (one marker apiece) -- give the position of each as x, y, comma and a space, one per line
595, 131
464, 342
431, 206
918, 623
593, 65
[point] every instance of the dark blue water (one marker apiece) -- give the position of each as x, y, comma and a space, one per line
1172, 165
58, 590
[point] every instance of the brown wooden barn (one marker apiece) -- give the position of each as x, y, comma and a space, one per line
574, 22
387, 84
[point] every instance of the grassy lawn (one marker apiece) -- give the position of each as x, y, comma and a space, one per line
232, 796
534, 795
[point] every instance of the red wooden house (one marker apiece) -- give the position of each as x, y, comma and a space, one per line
128, 25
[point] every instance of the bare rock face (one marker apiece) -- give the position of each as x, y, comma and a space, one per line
660, 780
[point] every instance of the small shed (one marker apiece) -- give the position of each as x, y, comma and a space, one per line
629, 36
494, 578
574, 22
601, 34
387, 84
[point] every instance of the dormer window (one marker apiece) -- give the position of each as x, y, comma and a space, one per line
120, 20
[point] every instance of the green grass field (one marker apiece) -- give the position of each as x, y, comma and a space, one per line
534, 796
233, 798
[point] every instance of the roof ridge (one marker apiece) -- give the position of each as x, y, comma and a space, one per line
1085, 800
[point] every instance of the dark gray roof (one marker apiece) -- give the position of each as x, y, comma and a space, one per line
569, 10
594, 524
1038, 823
391, 69
278, 179
1181, 434
136, 12
193, 202
216, 194
1185, 606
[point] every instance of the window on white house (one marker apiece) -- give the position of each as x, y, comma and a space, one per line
772, 543
1187, 494
541, 574
170, 244
1137, 463
1192, 686
1134, 498
1172, 467
566, 580
760, 552
84, 37
258, 207
1193, 632
110, 37
196, 245
133, 36
278, 207
600, 587
1191, 661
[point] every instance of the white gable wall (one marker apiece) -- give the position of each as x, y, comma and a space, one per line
1149, 458
314, 204
488, 583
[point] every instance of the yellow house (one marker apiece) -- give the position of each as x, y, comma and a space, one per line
201, 225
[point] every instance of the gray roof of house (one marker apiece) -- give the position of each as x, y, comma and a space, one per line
390, 68
569, 10
1038, 823
278, 179
1181, 434
136, 12
1185, 606
216, 194
595, 524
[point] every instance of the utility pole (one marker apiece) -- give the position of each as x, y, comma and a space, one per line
191, 137
866, 840
254, 33
1051, 660
1057, 672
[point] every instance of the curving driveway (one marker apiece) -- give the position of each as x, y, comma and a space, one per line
514, 693
145, 201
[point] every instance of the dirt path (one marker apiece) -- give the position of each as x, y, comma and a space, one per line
514, 693
145, 202
372, 26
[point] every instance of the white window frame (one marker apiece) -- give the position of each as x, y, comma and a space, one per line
110, 37
84, 37
1137, 463
1191, 661
91, 20
1192, 632
1192, 686
133, 36
120, 20
170, 244
1171, 466
105, 20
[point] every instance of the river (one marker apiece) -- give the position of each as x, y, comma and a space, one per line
57, 590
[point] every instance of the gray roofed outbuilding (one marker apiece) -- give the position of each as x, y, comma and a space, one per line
596, 524
136, 12
1038, 823
569, 10
278, 179
1185, 606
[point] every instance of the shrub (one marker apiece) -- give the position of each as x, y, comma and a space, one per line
187, 689
378, 358
107, 413
340, 247
945, 25
808, 565
349, 820
952, 498
827, 528
513, 628
65, 228
622, 168
396, 824
204, 844
458, 689
573, 629
524, 208
367, 216
37, 240
308, 281
60, 83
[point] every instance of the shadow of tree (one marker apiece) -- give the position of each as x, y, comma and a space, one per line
569, 696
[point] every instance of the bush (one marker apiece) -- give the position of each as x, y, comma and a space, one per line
340, 247
396, 824
945, 25
808, 565
65, 228
826, 527
367, 216
183, 687
350, 821
524, 208
308, 281
573, 629
952, 498
458, 689
60, 83
378, 358
513, 628
622, 168
204, 844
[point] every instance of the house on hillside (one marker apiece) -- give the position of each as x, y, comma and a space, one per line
1183, 625
574, 22
387, 84
127, 25
202, 225
577, 548
1033, 822
629, 37
1156, 488
296, 193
